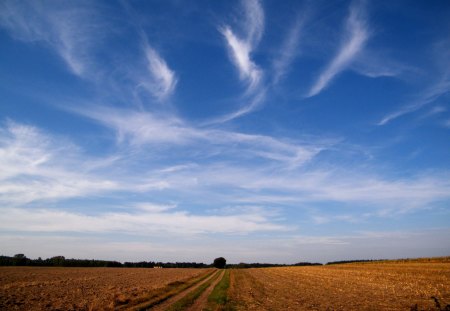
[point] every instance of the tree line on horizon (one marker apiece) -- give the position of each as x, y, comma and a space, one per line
61, 261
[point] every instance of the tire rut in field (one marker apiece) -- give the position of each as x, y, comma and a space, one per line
169, 302
165, 294
202, 301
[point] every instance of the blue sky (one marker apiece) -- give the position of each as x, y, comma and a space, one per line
254, 130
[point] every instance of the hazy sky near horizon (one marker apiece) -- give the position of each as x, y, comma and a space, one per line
261, 131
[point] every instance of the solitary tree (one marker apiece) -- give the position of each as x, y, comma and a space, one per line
220, 263
20, 260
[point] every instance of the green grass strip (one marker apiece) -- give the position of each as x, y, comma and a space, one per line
218, 299
162, 294
190, 298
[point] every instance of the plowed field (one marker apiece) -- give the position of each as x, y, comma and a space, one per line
395, 286
41, 288
371, 286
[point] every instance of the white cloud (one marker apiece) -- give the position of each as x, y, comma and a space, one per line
430, 95
72, 31
277, 249
376, 64
371, 192
436, 90
156, 222
240, 48
35, 166
163, 80
154, 208
240, 54
288, 51
140, 128
146, 128
254, 20
354, 40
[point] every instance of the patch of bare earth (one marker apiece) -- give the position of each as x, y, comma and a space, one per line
45, 288
246, 292
385, 286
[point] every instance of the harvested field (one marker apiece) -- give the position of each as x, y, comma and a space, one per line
374, 286
357, 286
42, 288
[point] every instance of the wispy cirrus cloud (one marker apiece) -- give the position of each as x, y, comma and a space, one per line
35, 166
240, 47
354, 40
288, 167
163, 79
77, 34
436, 90
373, 192
430, 95
140, 129
72, 31
240, 54
138, 223
289, 49
376, 64
36, 169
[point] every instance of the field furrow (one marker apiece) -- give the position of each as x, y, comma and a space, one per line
356, 286
45, 288
187, 298
343, 287
164, 298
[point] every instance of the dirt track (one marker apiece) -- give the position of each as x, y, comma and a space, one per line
163, 306
202, 301
377, 286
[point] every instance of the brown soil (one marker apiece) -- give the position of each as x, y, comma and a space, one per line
385, 286
44, 288
380, 286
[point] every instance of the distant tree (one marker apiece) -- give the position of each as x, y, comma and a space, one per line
19, 260
58, 261
220, 263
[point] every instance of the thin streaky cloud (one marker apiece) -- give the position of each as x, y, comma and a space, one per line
430, 96
72, 32
250, 105
354, 40
254, 21
436, 90
35, 166
141, 222
139, 129
51, 176
289, 50
163, 80
240, 49
376, 64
